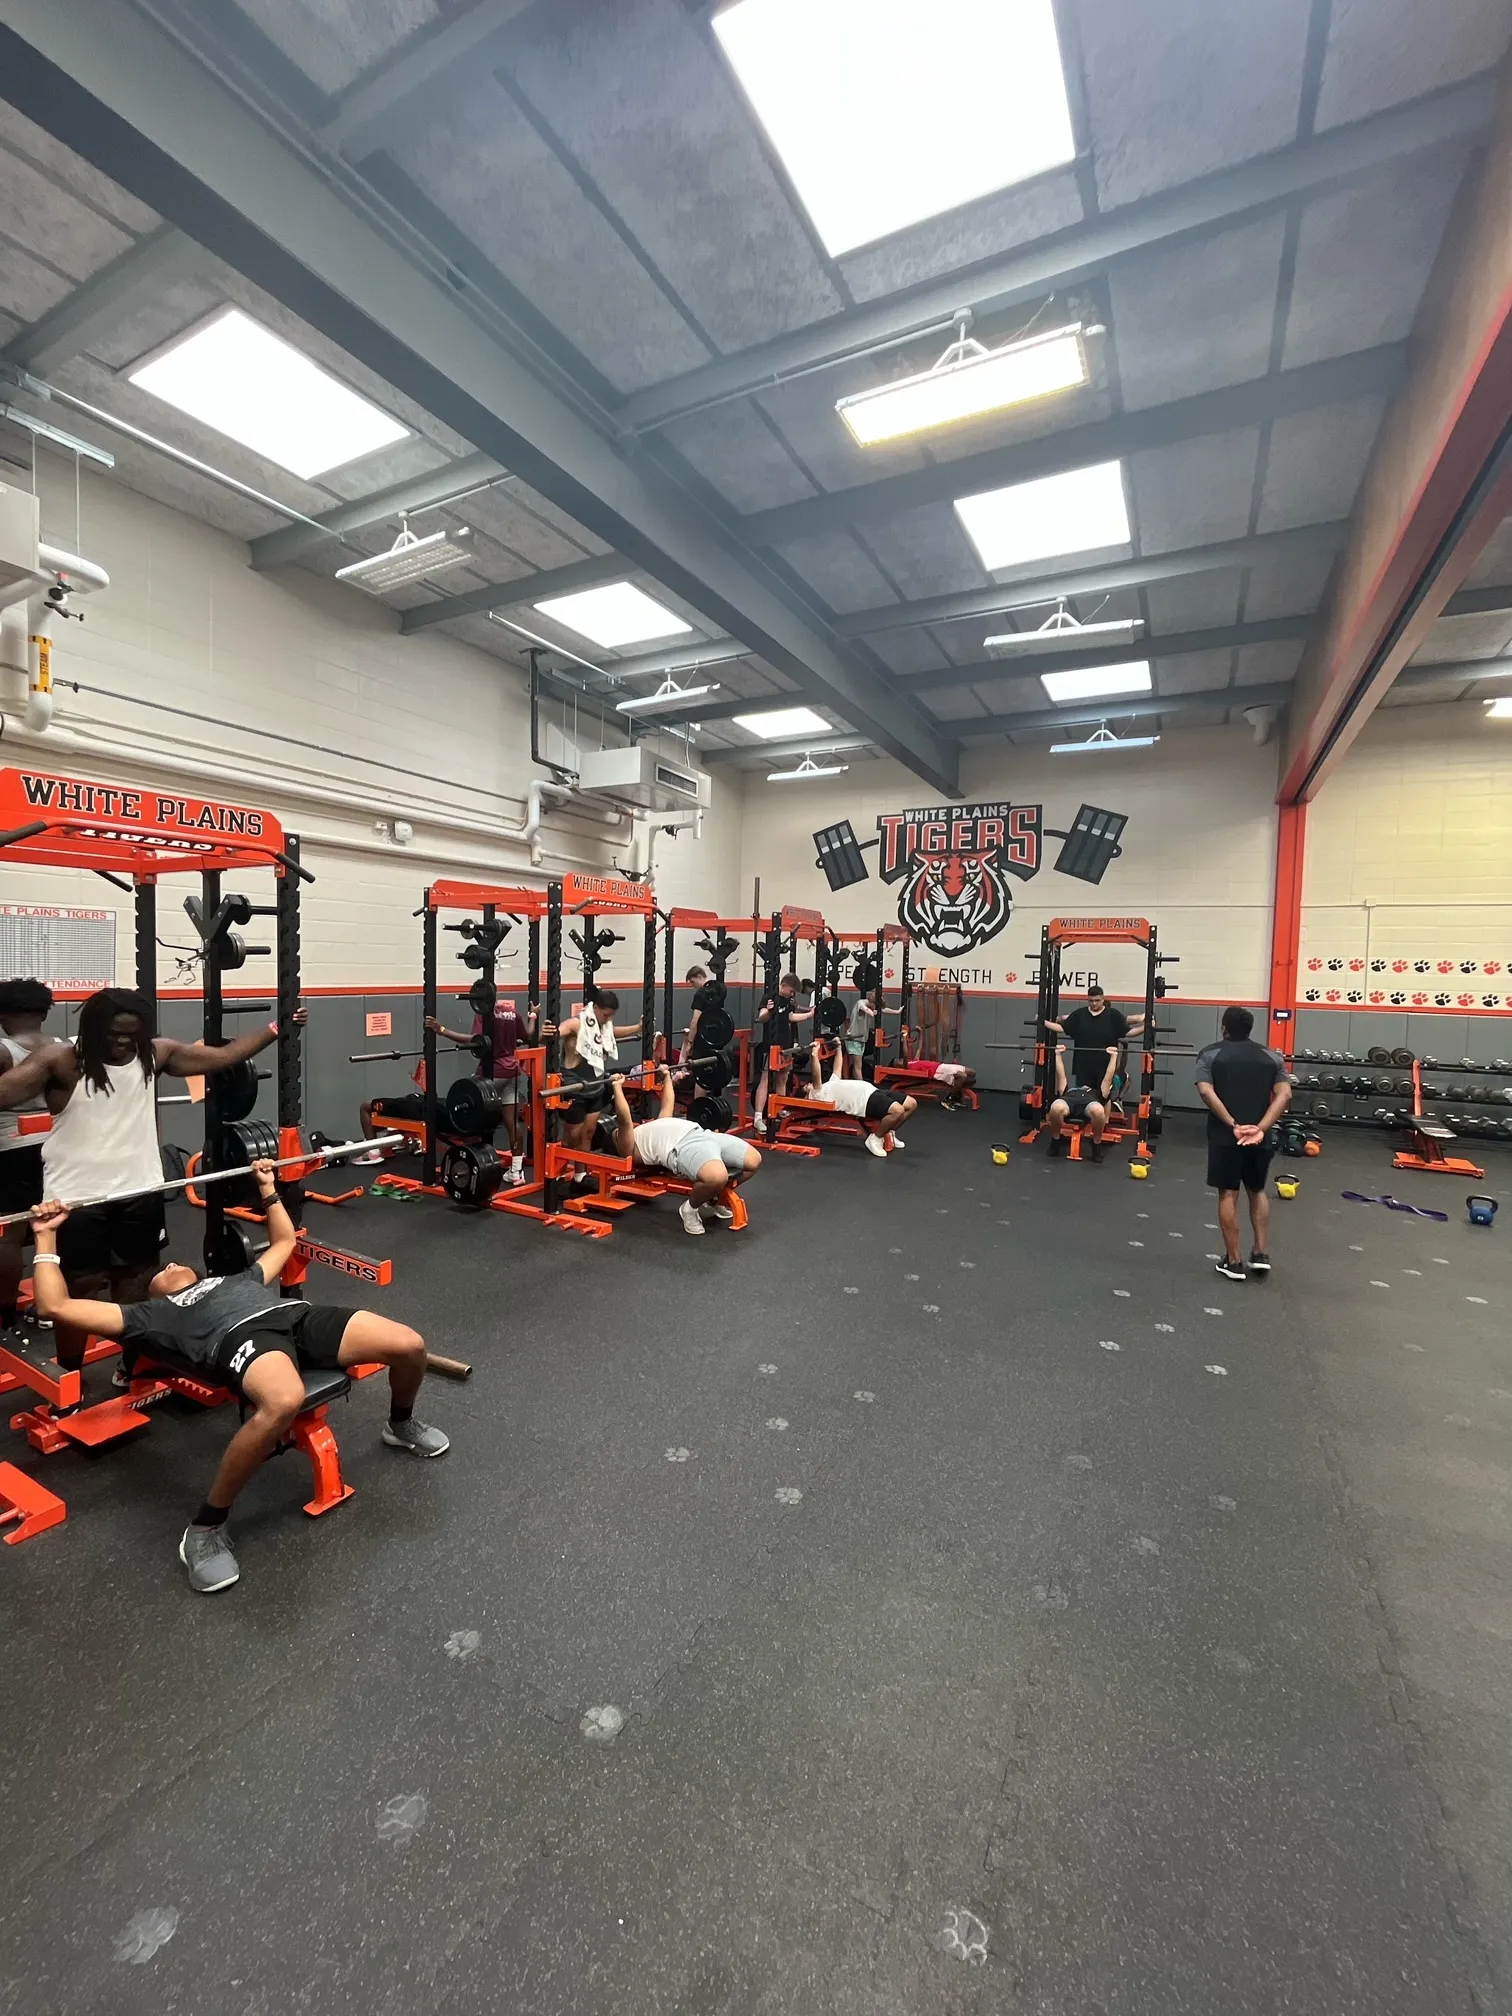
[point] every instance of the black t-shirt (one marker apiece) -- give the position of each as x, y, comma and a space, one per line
202, 1320
1245, 1075
1093, 1037
779, 1025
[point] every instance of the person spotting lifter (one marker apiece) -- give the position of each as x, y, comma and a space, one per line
1246, 1088
247, 1335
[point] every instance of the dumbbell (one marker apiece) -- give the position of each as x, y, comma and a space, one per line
1349, 1057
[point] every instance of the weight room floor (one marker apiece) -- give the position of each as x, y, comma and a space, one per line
1192, 1689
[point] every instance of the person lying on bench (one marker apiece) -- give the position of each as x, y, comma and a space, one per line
879, 1112
235, 1329
710, 1162
955, 1081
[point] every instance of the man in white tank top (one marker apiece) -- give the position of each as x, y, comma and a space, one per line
100, 1090
24, 1007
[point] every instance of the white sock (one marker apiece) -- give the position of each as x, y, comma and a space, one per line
517, 1162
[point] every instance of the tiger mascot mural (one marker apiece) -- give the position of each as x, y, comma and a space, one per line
953, 867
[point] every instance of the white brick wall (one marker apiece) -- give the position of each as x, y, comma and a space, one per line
187, 625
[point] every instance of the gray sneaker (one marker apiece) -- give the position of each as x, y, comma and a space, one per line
206, 1552
414, 1436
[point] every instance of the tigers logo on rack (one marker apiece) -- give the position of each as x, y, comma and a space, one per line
953, 862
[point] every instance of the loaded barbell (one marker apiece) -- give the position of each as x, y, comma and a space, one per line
310, 1156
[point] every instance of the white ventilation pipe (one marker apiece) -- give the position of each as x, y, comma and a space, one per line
644, 829
1261, 720
72, 575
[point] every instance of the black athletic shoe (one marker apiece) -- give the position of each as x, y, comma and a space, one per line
1059, 1143
1095, 1151
1259, 1263
1231, 1270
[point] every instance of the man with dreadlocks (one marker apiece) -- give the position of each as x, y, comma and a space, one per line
100, 1092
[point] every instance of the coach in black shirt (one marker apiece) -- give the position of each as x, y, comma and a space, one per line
1246, 1088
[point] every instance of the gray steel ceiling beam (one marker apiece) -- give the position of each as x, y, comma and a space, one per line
95, 308
782, 752
417, 493
1462, 114
679, 658
591, 572
1378, 371
1069, 582
420, 79
1023, 668
109, 83
1479, 602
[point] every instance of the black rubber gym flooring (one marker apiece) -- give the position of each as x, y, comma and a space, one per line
1005, 1614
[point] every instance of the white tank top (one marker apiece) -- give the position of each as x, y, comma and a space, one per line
101, 1144
20, 1048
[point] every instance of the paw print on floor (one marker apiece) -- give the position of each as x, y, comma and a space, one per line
602, 1725
766, 1370
1141, 1543
462, 1644
1107, 1344
678, 1455
964, 1937
865, 1398
147, 1931
1218, 1371
853, 1291
402, 1817
1166, 1329
788, 1494
777, 1425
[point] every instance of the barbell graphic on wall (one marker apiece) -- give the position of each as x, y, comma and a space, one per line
1092, 845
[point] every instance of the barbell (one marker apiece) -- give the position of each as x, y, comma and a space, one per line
311, 1156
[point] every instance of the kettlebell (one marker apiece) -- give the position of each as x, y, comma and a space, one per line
1482, 1210
1000, 1153
1139, 1170
1288, 1186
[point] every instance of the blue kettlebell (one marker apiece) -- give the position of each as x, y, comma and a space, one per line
1482, 1210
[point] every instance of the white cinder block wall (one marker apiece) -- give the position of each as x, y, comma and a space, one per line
1198, 855
300, 697
1408, 889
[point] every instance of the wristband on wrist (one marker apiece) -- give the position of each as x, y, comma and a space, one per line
50, 1259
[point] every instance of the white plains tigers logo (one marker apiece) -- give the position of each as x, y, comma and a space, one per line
953, 863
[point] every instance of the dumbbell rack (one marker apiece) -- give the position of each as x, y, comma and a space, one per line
1359, 1080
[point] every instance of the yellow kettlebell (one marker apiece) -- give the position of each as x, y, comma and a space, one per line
1000, 1153
1287, 1186
1139, 1170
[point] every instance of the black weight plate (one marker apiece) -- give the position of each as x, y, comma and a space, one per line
1329, 1081
832, 1016
1155, 1125
711, 1112
1384, 1084
472, 1175
481, 996
716, 1028
236, 1247
1402, 1057
474, 1105
712, 1073
710, 995
1028, 1114
235, 1090
1321, 1110
1376, 1055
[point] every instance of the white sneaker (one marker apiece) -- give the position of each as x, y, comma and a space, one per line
895, 1142
874, 1145
720, 1211
691, 1220
372, 1155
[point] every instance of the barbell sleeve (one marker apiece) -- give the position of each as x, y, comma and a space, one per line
202, 1177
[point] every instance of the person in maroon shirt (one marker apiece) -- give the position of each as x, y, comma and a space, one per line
510, 1029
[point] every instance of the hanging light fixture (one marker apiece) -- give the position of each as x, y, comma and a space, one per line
807, 768
968, 382
1100, 739
668, 694
1061, 631
409, 559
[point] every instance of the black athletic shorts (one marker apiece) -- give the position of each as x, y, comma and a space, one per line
595, 1102
107, 1238
314, 1344
21, 1179
1231, 1167
1078, 1098
403, 1106
879, 1105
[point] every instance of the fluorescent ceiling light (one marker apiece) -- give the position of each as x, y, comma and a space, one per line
616, 615
1499, 710
251, 386
668, 694
1061, 631
783, 722
807, 768
1103, 682
1101, 739
408, 559
886, 112
1077, 511
968, 381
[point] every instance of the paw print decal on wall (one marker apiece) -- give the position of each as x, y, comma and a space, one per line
1336, 965
1376, 997
1467, 965
1467, 1000
1355, 994
1332, 994
1490, 1001
1357, 965
1442, 1000
1312, 994
1315, 965
1420, 1000
1421, 966
1399, 965
1398, 1000
1446, 965
1491, 966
